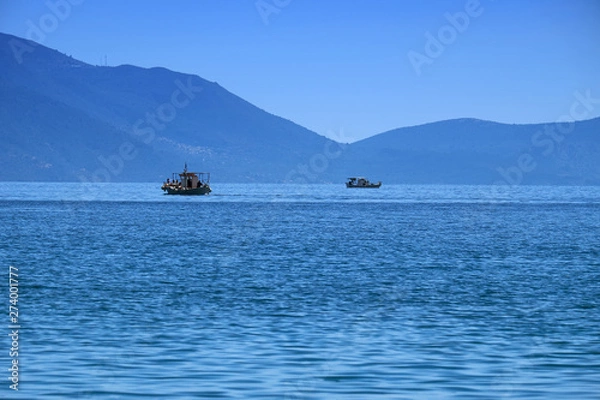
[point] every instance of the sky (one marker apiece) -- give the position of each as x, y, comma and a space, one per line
347, 69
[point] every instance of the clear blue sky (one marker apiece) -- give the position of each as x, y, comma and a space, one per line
343, 68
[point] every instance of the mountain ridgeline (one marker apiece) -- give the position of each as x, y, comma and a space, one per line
64, 120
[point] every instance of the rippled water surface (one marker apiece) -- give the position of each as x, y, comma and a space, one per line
303, 292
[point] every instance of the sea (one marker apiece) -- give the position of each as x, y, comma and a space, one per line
262, 291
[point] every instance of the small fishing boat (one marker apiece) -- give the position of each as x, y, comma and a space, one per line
189, 183
359, 182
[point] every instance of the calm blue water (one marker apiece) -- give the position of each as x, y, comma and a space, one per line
303, 292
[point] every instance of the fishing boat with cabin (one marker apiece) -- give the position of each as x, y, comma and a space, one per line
188, 183
359, 182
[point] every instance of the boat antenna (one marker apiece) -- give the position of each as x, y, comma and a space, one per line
185, 167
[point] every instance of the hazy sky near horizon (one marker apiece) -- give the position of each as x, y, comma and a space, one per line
347, 70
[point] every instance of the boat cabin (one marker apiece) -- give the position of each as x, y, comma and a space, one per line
360, 182
188, 183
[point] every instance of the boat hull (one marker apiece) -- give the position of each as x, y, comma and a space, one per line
369, 186
187, 192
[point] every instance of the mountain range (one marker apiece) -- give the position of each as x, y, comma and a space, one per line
65, 120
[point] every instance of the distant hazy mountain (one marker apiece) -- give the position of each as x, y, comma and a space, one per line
481, 152
65, 120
